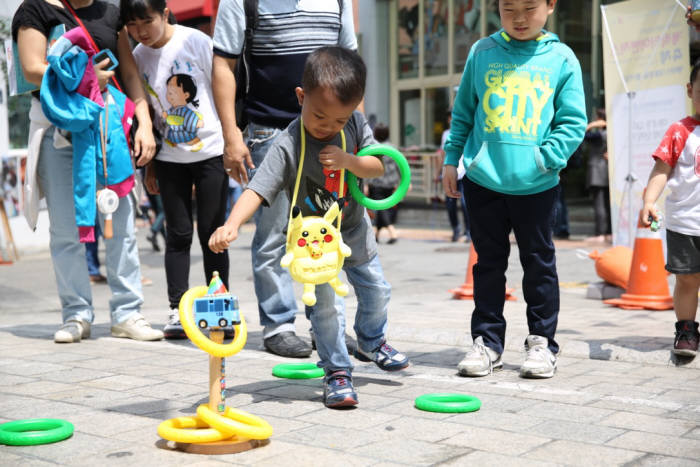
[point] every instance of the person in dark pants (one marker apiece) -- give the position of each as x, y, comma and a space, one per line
597, 175
382, 187
514, 131
454, 205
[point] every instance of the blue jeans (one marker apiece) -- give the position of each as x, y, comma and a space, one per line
373, 293
93, 259
492, 216
68, 254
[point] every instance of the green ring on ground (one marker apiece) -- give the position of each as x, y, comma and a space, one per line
297, 371
396, 196
33, 431
448, 403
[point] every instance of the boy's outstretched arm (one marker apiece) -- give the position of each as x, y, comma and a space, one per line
245, 207
657, 181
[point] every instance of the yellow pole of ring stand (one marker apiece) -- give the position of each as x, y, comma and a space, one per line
216, 429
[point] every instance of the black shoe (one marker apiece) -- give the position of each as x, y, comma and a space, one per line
392, 241
455, 235
350, 343
287, 344
229, 332
154, 241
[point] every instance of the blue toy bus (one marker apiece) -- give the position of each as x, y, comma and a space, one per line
219, 310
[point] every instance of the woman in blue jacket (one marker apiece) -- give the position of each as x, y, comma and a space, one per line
50, 164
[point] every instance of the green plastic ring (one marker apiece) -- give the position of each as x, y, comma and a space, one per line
448, 403
33, 431
396, 196
297, 371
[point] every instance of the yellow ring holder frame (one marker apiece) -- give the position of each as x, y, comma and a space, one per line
216, 429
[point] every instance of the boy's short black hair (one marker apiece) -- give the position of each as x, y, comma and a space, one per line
694, 71
337, 68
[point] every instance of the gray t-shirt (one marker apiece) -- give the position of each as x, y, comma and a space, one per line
318, 187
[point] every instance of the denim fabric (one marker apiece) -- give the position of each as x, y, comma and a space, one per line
492, 217
273, 285
373, 293
91, 255
68, 254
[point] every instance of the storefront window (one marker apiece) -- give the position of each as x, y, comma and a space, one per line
493, 20
408, 38
467, 15
437, 102
409, 105
435, 35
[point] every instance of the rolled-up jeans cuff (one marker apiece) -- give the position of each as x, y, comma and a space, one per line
269, 331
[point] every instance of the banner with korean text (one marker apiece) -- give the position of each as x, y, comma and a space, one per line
646, 67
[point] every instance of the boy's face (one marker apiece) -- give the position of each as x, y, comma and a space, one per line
524, 19
324, 115
694, 94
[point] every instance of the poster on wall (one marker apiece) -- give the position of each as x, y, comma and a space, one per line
646, 66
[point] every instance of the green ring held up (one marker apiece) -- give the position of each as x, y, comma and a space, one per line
297, 371
396, 196
34, 431
448, 403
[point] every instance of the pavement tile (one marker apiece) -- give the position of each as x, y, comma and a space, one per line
12, 380
107, 424
11, 459
573, 431
694, 434
358, 418
140, 405
36, 388
88, 397
75, 375
658, 444
497, 441
414, 452
278, 406
338, 438
121, 382
651, 424
32, 368
418, 428
489, 417
75, 450
565, 412
490, 459
655, 460
583, 454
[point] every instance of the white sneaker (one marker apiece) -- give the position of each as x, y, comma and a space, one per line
71, 331
540, 361
136, 328
173, 328
479, 360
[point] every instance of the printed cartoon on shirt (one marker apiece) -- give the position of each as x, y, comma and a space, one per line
182, 121
319, 198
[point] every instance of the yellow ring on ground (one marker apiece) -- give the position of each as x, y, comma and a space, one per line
189, 430
235, 422
199, 339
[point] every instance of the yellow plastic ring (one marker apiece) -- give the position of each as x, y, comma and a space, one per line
235, 422
199, 339
189, 430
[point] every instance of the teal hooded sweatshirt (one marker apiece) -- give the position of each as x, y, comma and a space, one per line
519, 113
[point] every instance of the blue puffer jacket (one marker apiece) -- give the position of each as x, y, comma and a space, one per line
71, 100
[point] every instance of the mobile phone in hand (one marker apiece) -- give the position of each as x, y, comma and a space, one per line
106, 53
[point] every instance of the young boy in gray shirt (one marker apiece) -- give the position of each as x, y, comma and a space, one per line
333, 85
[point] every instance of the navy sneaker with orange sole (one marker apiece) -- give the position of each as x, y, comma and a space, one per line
338, 390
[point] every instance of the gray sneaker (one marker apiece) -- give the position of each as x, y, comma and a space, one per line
540, 361
136, 328
173, 328
479, 360
71, 331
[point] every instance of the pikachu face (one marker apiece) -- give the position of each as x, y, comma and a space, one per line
315, 252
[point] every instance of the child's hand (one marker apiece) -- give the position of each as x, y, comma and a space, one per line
221, 238
333, 158
649, 210
449, 181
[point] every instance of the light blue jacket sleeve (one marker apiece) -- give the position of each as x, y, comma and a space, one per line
569, 122
463, 113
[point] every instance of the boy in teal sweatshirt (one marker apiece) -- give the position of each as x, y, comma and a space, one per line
518, 116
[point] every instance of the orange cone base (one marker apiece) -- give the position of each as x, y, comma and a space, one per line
466, 292
642, 302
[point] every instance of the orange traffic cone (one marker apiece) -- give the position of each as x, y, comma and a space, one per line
648, 287
466, 290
